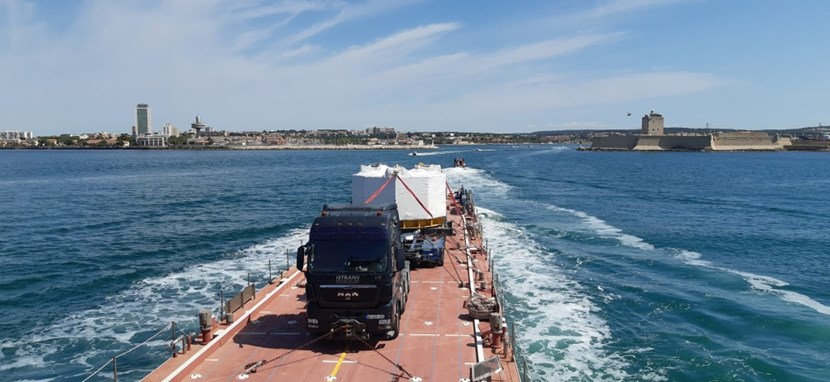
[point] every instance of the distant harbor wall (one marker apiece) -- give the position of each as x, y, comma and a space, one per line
747, 141
652, 142
615, 142
740, 141
807, 146
673, 142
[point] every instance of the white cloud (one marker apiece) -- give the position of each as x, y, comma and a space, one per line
396, 46
616, 7
218, 59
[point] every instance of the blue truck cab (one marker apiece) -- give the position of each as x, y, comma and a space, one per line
357, 277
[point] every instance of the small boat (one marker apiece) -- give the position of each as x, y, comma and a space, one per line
414, 153
479, 150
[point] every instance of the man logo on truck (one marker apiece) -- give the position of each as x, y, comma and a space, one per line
348, 295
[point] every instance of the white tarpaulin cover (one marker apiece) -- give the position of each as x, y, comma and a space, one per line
428, 182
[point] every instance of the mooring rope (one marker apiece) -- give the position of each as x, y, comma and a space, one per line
253, 366
385, 357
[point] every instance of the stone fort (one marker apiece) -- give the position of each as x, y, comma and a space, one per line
653, 138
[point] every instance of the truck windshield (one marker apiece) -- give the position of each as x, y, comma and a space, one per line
349, 256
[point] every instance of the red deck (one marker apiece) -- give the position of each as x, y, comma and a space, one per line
437, 340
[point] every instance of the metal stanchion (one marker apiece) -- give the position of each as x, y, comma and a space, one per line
221, 304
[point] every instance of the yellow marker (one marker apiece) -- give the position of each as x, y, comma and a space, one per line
340, 361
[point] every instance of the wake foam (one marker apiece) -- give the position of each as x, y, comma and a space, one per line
433, 153
557, 325
759, 284
476, 180
554, 316
129, 317
605, 230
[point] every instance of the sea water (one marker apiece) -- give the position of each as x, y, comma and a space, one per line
615, 266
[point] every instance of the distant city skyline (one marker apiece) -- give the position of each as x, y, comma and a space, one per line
415, 65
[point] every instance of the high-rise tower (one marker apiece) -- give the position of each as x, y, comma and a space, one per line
143, 123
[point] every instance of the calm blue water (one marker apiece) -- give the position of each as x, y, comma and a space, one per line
618, 266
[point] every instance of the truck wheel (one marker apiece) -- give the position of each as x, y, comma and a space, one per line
396, 325
440, 261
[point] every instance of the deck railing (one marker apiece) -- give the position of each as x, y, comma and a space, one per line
179, 338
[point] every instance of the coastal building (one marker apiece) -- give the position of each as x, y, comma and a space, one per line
153, 140
15, 137
143, 121
169, 130
385, 131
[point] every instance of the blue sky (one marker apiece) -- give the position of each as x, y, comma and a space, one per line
487, 66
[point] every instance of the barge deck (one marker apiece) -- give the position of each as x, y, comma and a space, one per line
439, 339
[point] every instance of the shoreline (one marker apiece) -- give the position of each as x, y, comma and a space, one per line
219, 148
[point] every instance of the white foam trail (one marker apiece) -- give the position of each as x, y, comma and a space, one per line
476, 180
552, 310
770, 285
759, 284
562, 148
587, 352
149, 305
605, 230
552, 150
556, 314
431, 153
693, 258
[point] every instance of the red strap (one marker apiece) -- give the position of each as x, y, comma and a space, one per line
379, 190
413, 194
454, 202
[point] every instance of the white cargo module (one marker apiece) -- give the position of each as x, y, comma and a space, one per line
427, 182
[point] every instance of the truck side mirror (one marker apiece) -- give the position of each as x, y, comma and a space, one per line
300, 258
